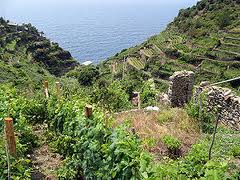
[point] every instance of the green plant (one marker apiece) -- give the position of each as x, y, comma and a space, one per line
198, 110
165, 116
171, 142
236, 151
224, 19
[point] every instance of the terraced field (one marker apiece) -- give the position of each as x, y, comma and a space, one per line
136, 63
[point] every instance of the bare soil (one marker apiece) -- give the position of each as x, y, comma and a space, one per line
44, 162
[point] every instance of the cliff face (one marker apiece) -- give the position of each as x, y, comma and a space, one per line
25, 41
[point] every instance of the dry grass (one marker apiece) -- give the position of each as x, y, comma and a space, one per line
152, 126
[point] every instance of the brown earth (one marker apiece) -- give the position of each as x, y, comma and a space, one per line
44, 162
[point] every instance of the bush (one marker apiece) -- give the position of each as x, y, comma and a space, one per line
87, 75
224, 19
171, 142
92, 148
111, 96
148, 93
236, 151
205, 117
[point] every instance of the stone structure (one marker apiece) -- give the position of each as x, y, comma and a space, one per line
226, 103
136, 101
181, 88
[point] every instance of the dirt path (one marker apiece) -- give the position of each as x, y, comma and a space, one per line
44, 162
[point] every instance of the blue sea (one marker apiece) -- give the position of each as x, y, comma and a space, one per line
93, 31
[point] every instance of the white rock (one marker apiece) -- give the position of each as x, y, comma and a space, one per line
86, 63
152, 108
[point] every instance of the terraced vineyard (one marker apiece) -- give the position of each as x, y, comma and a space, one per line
147, 52
136, 63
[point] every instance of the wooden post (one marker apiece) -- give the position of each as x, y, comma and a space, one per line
114, 68
88, 111
139, 101
58, 90
123, 68
11, 141
46, 89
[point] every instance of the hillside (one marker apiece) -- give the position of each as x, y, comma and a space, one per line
27, 56
62, 120
203, 38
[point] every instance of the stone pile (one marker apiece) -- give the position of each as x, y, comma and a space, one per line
226, 103
181, 88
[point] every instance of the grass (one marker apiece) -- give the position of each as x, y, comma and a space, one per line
151, 127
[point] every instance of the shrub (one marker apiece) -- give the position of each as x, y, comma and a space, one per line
205, 117
236, 151
171, 142
87, 75
112, 97
224, 20
148, 93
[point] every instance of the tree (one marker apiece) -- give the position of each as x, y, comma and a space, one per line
87, 75
224, 19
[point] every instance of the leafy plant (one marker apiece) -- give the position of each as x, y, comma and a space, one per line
171, 142
236, 151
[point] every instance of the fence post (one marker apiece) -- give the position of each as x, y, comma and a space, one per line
11, 141
46, 89
58, 90
88, 111
114, 68
139, 101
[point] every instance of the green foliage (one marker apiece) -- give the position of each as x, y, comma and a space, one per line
14, 106
111, 96
198, 110
236, 151
92, 148
224, 19
171, 142
87, 75
165, 116
148, 93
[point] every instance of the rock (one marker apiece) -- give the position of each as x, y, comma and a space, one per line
227, 103
86, 63
152, 108
204, 84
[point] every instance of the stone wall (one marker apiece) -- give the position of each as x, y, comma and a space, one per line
181, 88
226, 103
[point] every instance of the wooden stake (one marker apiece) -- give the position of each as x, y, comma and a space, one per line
11, 141
114, 68
123, 69
58, 90
139, 101
88, 111
46, 89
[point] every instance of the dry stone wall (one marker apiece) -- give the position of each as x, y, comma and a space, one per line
181, 88
226, 103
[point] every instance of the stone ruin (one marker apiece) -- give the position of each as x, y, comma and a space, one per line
181, 88
220, 100
227, 104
